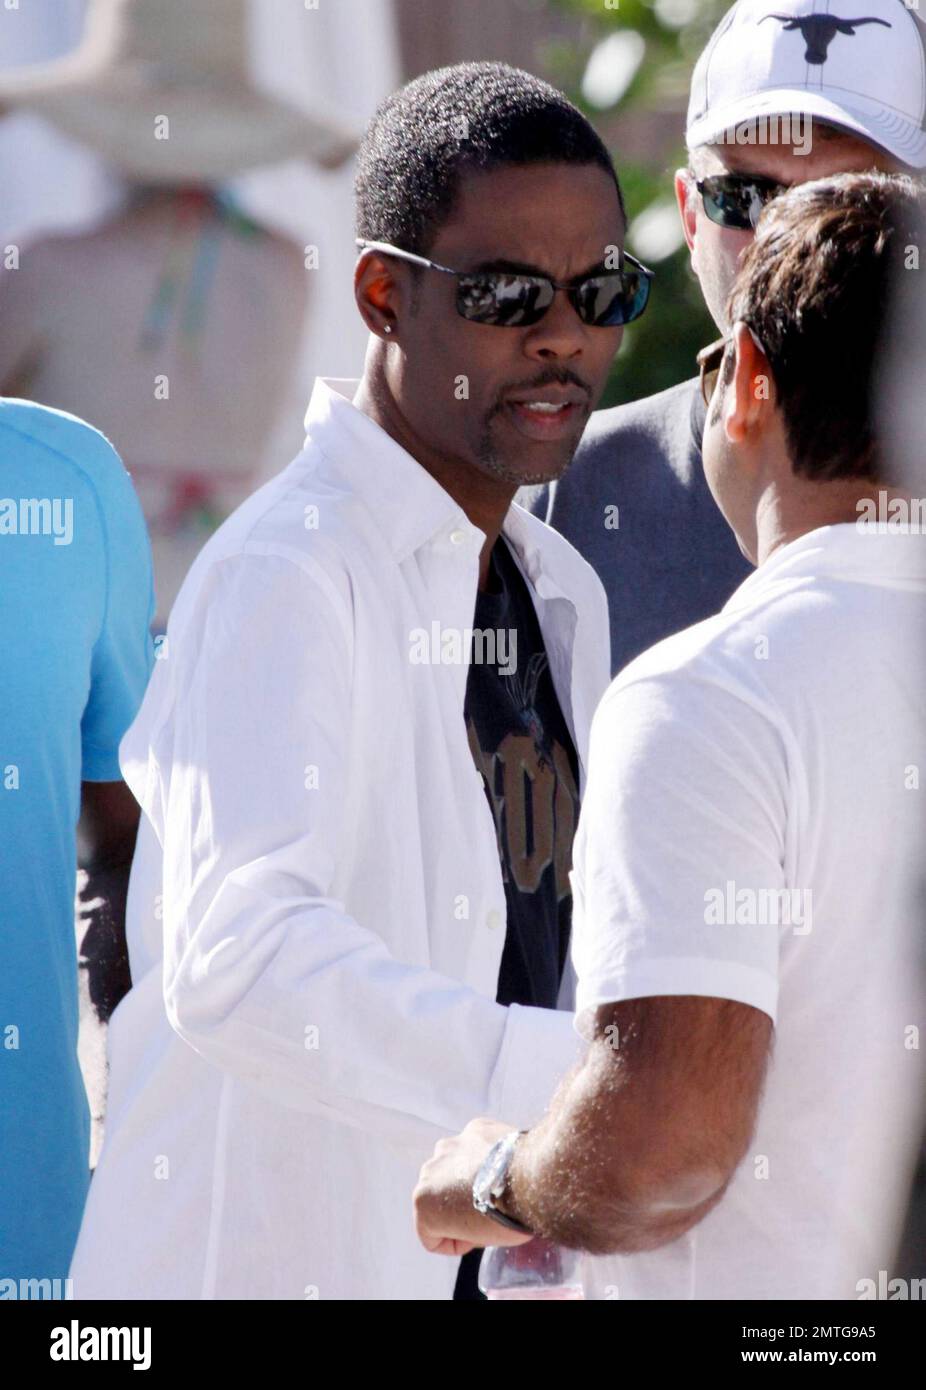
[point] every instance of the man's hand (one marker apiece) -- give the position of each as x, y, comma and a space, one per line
445, 1218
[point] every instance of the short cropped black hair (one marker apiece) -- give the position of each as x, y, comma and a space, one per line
473, 116
815, 287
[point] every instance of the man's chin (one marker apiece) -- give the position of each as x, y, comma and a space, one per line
523, 473
531, 463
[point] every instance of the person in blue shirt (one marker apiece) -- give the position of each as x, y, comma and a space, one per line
76, 603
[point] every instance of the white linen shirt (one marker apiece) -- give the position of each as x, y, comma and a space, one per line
316, 893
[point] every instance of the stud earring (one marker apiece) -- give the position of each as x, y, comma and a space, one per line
387, 327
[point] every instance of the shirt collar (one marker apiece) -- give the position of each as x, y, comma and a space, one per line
411, 505
847, 551
538, 561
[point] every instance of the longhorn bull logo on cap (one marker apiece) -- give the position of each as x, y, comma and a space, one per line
819, 30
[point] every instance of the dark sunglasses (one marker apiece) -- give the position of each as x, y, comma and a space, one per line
710, 361
736, 200
508, 300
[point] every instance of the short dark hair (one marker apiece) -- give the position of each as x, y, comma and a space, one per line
474, 116
815, 286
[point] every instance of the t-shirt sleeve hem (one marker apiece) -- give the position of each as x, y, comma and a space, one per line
716, 979
99, 766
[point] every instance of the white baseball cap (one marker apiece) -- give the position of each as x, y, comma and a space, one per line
856, 64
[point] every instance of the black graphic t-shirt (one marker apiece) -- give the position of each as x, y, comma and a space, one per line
522, 746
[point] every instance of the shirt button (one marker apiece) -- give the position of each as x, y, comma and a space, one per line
457, 537
494, 919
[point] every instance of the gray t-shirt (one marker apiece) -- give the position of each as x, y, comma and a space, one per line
635, 503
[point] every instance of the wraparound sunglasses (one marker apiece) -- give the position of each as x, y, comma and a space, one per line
710, 361
736, 200
510, 300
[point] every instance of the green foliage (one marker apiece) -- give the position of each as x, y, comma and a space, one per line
659, 349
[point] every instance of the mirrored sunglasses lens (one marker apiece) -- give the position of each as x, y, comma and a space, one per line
637, 296
729, 207
611, 300
736, 203
510, 301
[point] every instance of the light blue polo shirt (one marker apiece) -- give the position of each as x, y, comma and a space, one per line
76, 603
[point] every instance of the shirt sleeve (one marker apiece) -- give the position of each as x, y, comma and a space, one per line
123, 655
679, 858
266, 972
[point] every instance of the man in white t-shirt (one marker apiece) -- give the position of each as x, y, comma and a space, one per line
747, 933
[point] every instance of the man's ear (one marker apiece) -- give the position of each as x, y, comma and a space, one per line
686, 195
377, 293
750, 394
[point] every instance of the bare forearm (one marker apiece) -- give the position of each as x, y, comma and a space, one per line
605, 1188
642, 1140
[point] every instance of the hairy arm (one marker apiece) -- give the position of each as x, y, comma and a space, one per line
688, 790
643, 1138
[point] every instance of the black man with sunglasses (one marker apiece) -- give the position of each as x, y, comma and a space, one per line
765, 113
523, 294
360, 765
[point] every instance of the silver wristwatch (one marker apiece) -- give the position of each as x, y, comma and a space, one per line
491, 1180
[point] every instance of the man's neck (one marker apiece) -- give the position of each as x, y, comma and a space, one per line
484, 499
783, 517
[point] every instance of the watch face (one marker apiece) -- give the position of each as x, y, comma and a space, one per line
490, 1180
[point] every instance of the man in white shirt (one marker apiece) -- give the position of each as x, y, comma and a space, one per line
747, 939
321, 867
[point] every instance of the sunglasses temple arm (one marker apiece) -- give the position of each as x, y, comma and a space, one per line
638, 265
385, 249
